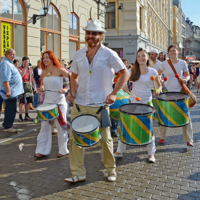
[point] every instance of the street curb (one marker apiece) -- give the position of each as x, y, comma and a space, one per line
19, 135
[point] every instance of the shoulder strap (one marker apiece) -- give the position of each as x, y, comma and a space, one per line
174, 70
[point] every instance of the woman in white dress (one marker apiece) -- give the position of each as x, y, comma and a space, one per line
52, 85
141, 77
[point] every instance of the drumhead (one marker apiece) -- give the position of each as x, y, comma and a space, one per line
172, 96
45, 107
85, 124
136, 109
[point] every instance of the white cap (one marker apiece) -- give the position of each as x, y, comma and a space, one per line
95, 26
154, 51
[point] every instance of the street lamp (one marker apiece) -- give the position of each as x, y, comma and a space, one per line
45, 6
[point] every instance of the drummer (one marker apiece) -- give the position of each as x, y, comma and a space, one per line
141, 76
173, 85
93, 67
52, 82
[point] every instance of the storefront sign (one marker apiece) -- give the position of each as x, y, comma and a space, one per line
192, 57
130, 53
5, 37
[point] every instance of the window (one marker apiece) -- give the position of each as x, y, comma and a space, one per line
140, 18
73, 35
110, 16
50, 34
13, 27
183, 31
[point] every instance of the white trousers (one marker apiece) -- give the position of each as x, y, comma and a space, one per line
187, 132
151, 148
44, 139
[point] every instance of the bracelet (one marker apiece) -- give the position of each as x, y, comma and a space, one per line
158, 90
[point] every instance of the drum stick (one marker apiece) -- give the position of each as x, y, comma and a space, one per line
96, 103
52, 91
137, 98
70, 85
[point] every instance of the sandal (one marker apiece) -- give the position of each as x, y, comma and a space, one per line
75, 178
39, 155
59, 155
112, 176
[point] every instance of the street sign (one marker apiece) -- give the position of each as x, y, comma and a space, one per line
192, 57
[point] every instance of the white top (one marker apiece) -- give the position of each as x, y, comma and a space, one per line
96, 87
39, 72
54, 84
172, 84
157, 65
142, 87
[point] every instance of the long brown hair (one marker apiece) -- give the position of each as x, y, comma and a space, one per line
135, 74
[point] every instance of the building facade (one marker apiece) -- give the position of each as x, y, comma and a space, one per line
61, 31
132, 24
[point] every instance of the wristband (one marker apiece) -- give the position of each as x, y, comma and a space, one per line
158, 90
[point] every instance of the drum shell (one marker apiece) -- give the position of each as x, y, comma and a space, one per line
155, 105
136, 129
121, 99
47, 115
86, 139
173, 113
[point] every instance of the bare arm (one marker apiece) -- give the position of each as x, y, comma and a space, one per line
187, 77
7, 87
160, 72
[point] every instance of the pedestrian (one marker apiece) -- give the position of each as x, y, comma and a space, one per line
172, 85
10, 87
93, 67
28, 81
141, 77
52, 85
37, 73
16, 63
198, 80
162, 57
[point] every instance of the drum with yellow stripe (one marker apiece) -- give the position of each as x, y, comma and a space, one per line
85, 130
47, 112
136, 124
173, 109
121, 99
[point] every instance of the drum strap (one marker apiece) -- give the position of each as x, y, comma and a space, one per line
78, 108
100, 109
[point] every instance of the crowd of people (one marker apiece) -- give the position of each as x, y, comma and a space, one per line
93, 81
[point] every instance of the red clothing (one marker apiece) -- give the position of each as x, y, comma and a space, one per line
26, 76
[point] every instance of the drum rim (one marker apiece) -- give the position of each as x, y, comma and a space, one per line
46, 104
173, 126
144, 114
87, 132
174, 99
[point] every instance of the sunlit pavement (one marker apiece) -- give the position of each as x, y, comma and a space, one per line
175, 175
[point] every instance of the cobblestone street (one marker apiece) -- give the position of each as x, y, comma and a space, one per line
175, 175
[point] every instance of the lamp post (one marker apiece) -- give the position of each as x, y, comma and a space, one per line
45, 6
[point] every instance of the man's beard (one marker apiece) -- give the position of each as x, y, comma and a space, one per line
93, 43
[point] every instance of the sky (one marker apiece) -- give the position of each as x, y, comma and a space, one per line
191, 8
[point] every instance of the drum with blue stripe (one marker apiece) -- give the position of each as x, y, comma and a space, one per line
173, 109
86, 130
136, 124
47, 112
121, 99
155, 105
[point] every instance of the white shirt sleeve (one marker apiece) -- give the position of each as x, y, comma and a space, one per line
185, 69
116, 62
162, 66
74, 67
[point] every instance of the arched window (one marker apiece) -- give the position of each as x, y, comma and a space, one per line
13, 27
73, 35
50, 31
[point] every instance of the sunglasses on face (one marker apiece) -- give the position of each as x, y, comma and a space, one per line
92, 33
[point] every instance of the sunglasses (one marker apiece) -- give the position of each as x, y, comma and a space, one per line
92, 33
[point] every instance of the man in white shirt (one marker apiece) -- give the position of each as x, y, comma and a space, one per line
154, 58
93, 68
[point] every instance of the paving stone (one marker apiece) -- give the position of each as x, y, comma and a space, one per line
107, 197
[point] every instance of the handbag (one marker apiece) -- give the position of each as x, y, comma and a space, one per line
28, 86
192, 97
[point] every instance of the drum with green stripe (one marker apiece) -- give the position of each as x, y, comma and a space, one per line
47, 112
85, 130
136, 124
173, 109
122, 98
155, 105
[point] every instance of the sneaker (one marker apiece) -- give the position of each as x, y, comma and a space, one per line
75, 179
11, 130
152, 160
112, 176
28, 118
20, 120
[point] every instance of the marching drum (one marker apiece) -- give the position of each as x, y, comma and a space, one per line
155, 105
85, 130
47, 112
136, 124
122, 98
173, 109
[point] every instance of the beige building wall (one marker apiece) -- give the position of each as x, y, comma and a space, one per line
141, 23
81, 8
